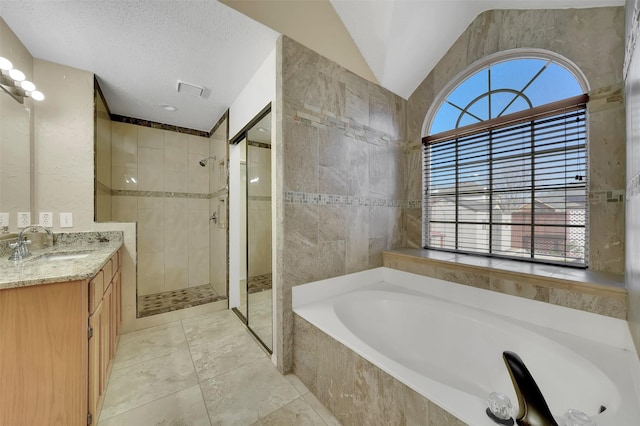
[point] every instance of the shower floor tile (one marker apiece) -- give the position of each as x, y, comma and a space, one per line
259, 283
173, 300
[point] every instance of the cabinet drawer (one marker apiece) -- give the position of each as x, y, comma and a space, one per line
108, 273
96, 289
115, 261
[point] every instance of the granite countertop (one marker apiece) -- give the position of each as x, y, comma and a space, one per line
37, 269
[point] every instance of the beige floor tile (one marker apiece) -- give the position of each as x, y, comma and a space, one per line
297, 383
136, 385
212, 327
242, 396
181, 408
296, 413
322, 411
148, 344
224, 354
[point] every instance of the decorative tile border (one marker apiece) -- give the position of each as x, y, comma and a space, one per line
259, 144
163, 194
316, 117
101, 188
220, 193
259, 198
607, 196
292, 197
156, 125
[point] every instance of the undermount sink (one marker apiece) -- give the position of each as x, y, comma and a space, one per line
65, 256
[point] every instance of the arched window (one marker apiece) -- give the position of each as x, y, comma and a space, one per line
505, 161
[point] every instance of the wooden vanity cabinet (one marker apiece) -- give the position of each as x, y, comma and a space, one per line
53, 371
104, 324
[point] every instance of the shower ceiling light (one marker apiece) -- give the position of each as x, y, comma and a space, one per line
12, 80
168, 107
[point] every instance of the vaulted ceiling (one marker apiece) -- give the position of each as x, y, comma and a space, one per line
140, 49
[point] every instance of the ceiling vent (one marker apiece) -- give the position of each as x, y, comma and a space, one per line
190, 89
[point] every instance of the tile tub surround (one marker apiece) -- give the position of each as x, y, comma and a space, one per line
581, 289
36, 270
346, 372
339, 140
353, 389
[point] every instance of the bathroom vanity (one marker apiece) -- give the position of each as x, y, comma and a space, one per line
60, 316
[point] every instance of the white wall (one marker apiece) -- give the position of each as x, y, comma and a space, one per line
63, 139
257, 94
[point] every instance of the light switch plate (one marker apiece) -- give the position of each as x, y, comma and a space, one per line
66, 220
24, 219
4, 219
46, 219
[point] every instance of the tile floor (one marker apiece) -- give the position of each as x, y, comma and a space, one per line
205, 370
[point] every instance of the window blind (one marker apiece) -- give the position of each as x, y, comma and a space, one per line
516, 190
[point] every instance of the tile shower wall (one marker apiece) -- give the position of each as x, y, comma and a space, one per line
594, 40
158, 183
632, 85
259, 210
218, 146
103, 161
342, 154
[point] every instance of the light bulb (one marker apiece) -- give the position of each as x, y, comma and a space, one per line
16, 74
28, 86
5, 64
37, 95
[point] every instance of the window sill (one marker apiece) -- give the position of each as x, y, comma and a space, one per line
582, 289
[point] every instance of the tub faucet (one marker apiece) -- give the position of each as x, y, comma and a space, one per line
20, 249
533, 409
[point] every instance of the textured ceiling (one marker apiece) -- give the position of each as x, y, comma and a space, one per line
140, 48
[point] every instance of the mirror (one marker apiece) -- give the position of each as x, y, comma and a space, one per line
258, 175
252, 148
15, 160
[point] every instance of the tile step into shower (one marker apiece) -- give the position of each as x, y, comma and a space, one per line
174, 300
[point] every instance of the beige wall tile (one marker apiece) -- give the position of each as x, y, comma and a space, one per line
150, 273
198, 266
124, 144
150, 137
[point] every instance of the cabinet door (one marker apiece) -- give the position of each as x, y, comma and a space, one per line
107, 349
43, 355
96, 348
117, 281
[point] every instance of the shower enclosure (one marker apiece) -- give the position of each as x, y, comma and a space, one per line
254, 218
174, 186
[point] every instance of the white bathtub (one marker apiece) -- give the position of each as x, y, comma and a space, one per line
445, 341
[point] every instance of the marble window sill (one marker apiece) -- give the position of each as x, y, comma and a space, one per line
582, 289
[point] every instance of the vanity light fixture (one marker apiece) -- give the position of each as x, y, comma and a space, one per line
12, 80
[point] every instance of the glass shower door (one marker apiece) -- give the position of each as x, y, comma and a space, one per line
258, 174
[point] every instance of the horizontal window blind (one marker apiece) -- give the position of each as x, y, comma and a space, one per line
516, 191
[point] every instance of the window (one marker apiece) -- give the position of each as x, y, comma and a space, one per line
505, 164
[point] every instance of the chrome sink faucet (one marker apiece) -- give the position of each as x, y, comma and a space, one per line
20, 249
